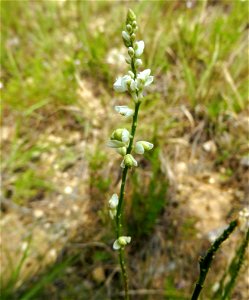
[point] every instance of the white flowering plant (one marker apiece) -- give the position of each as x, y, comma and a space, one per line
122, 140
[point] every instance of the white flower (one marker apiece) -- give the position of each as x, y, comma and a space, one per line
119, 139
126, 36
121, 135
120, 84
144, 78
131, 51
113, 204
121, 242
133, 85
142, 146
115, 144
244, 219
138, 62
130, 73
124, 110
121, 151
139, 48
125, 136
129, 28
128, 161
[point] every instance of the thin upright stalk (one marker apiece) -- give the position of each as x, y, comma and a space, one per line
124, 273
120, 203
206, 261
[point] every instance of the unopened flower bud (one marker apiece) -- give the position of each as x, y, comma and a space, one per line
131, 51
128, 60
130, 17
133, 37
129, 28
128, 161
121, 134
121, 151
126, 36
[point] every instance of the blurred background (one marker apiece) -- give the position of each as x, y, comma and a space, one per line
59, 60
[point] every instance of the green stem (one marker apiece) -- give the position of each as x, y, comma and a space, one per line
124, 273
206, 261
121, 198
120, 202
125, 171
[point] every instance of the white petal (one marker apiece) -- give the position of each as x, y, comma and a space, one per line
139, 149
134, 161
147, 146
139, 46
138, 62
144, 74
124, 110
112, 213
126, 36
149, 80
147, 72
130, 73
121, 151
113, 202
125, 136
116, 245
122, 164
124, 240
133, 85
128, 239
115, 144
118, 85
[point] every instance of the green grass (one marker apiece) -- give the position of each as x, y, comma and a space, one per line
149, 202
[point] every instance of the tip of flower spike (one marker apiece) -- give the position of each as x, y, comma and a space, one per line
130, 17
